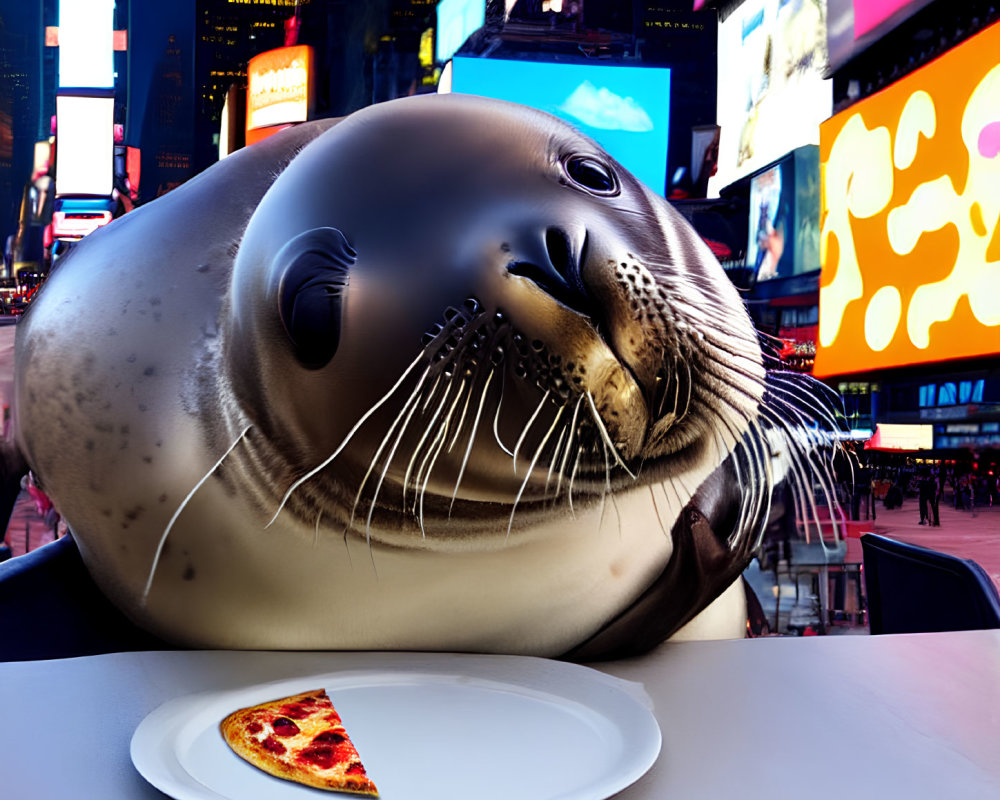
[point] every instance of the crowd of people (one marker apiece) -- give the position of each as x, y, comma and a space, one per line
962, 486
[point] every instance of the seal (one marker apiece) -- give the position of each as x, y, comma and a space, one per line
439, 375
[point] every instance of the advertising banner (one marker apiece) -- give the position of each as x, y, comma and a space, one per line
280, 87
910, 234
853, 25
85, 145
784, 214
625, 109
771, 94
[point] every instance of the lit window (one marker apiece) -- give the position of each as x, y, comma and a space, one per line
927, 395
964, 391
947, 395
977, 390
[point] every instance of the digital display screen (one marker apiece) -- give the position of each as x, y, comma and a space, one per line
279, 86
771, 94
86, 44
902, 437
784, 209
84, 145
457, 20
910, 236
625, 109
853, 25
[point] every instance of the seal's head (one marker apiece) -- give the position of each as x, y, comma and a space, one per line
495, 291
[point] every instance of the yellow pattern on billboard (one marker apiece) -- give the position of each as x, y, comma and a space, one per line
910, 218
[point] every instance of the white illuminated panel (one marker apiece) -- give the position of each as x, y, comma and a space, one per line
771, 92
903, 437
86, 44
84, 145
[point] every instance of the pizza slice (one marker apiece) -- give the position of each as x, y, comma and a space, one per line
299, 738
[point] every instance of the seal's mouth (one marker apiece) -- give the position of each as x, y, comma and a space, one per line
559, 274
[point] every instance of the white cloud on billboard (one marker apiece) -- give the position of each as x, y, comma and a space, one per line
605, 110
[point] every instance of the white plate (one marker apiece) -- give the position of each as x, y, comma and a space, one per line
445, 726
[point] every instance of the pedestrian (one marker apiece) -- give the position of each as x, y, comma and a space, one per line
933, 498
925, 491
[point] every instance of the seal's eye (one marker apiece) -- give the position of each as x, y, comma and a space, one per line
592, 175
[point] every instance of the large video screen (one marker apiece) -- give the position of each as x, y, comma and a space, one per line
771, 94
86, 44
784, 209
625, 109
910, 236
853, 25
457, 20
85, 145
280, 86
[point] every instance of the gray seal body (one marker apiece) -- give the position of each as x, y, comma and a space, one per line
441, 375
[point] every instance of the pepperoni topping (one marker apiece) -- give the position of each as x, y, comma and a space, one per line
325, 755
255, 727
284, 727
328, 737
274, 746
296, 710
355, 769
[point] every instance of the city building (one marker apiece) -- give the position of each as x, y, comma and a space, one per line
783, 149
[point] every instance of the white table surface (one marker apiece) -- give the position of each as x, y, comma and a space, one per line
845, 717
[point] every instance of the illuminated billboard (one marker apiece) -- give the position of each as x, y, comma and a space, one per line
625, 109
771, 93
457, 20
86, 44
85, 144
280, 87
909, 438
853, 25
784, 215
910, 235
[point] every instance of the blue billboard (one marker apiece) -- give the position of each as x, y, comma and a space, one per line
625, 109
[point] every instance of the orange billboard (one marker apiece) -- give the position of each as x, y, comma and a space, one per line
280, 87
910, 218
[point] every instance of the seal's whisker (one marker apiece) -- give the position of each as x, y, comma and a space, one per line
555, 458
408, 409
605, 436
527, 427
420, 444
656, 510
319, 516
802, 465
572, 477
461, 418
569, 442
435, 447
350, 434
688, 382
388, 462
496, 422
618, 513
431, 393
472, 438
180, 508
531, 466
799, 393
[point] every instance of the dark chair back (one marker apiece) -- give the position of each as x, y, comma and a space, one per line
913, 589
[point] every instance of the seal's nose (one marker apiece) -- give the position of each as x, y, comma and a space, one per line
555, 267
